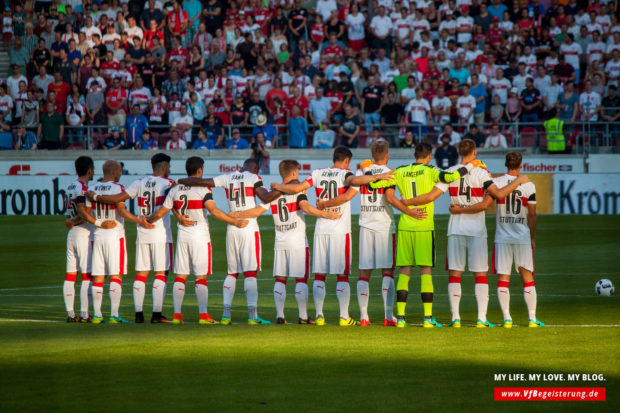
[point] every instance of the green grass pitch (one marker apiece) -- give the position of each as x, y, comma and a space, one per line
54, 366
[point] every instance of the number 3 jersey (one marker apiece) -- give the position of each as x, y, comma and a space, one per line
151, 192
240, 190
511, 214
107, 212
289, 221
329, 183
190, 200
465, 192
76, 194
375, 213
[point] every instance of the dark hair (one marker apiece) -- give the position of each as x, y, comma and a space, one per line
466, 147
159, 158
250, 165
341, 153
287, 166
422, 150
193, 164
83, 164
378, 150
513, 160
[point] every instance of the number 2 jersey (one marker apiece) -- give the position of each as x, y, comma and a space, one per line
375, 212
240, 190
76, 194
329, 183
107, 212
289, 221
190, 200
151, 192
466, 192
511, 214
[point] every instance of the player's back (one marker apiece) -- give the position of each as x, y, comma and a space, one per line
107, 212
289, 221
511, 215
329, 183
376, 213
189, 201
414, 180
240, 191
76, 193
465, 192
151, 192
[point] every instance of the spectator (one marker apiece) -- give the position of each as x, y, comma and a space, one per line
115, 141
372, 102
323, 137
237, 142
75, 117
381, 29
297, 129
175, 142
496, 139
465, 106
349, 128
203, 142
419, 114
61, 89
146, 141
269, 132
184, 123
115, 101
497, 110
50, 134
135, 124
24, 140
455, 137
513, 107
391, 114
320, 109
408, 141
30, 112
475, 135
530, 102
550, 94
446, 155
259, 153
479, 92
6, 105
214, 132
589, 103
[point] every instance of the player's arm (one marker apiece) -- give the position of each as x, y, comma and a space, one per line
359, 180
183, 219
424, 199
208, 182
446, 177
311, 210
531, 222
250, 213
84, 213
265, 196
159, 214
142, 221
222, 216
415, 213
108, 199
502, 193
291, 188
472, 209
339, 200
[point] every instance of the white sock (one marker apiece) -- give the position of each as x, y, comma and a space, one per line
318, 292
503, 296
116, 291
343, 292
250, 287
301, 295
279, 295
387, 292
84, 290
159, 293
362, 298
454, 293
68, 291
97, 289
139, 288
481, 291
202, 295
529, 295
178, 292
230, 283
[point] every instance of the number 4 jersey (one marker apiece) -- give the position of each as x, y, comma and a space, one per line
329, 183
511, 215
151, 192
240, 190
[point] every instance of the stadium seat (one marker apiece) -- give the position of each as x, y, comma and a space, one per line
529, 137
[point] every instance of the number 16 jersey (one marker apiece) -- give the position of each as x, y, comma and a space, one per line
151, 192
512, 211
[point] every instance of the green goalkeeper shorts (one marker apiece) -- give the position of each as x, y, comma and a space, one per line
415, 248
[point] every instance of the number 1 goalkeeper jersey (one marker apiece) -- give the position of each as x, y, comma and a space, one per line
415, 180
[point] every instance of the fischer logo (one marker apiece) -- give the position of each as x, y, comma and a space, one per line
545, 167
230, 168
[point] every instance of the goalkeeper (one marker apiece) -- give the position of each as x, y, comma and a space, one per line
416, 238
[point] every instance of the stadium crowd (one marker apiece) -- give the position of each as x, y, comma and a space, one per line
251, 73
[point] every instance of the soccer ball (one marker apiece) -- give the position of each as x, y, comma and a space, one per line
604, 288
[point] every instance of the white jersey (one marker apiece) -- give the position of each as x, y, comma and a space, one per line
289, 221
511, 214
465, 192
329, 183
190, 200
107, 212
76, 194
375, 213
240, 191
151, 192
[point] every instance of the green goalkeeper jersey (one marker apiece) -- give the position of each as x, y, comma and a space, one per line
414, 180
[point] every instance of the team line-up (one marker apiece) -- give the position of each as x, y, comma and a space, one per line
96, 243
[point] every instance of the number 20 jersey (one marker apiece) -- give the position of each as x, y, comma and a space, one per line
511, 214
240, 190
151, 192
329, 183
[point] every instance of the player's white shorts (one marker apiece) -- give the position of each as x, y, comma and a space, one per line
154, 257
332, 254
109, 256
193, 256
463, 248
243, 251
292, 262
377, 249
79, 252
505, 254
